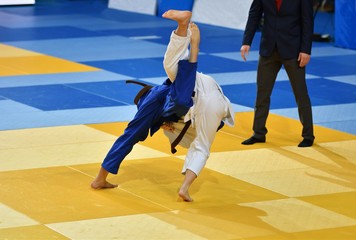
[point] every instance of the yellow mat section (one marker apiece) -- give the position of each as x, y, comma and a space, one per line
16, 61
282, 132
10, 51
273, 190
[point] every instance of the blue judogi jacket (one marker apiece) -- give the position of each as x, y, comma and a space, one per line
166, 102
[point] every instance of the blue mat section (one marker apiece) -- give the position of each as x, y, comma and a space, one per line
327, 67
56, 97
127, 45
321, 91
73, 96
326, 92
94, 48
26, 34
136, 68
60, 78
159, 31
214, 64
119, 91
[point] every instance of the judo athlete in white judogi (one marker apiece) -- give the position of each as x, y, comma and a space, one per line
186, 95
210, 106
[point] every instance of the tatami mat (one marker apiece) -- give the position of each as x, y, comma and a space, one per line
266, 191
64, 101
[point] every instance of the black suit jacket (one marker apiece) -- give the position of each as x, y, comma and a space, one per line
290, 29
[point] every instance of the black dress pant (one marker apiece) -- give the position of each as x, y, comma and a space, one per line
268, 68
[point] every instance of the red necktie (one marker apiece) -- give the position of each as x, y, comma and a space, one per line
278, 3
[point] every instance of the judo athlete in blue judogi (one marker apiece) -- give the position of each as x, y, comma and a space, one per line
166, 102
186, 94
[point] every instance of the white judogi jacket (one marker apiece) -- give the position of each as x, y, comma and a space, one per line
210, 107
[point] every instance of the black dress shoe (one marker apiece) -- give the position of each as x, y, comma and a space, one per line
253, 140
306, 143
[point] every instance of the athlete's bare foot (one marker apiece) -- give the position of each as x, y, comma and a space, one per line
101, 185
100, 180
195, 37
181, 17
189, 178
185, 195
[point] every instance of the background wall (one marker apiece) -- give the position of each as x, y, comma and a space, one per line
234, 13
231, 14
16, 2
225, 13
139, 6
345, 23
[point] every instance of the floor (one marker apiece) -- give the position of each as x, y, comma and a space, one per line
64, 101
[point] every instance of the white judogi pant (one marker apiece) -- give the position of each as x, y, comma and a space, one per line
210, 107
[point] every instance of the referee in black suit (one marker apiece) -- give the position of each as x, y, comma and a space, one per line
286, 40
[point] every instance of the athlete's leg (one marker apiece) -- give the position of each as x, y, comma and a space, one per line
177, 48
